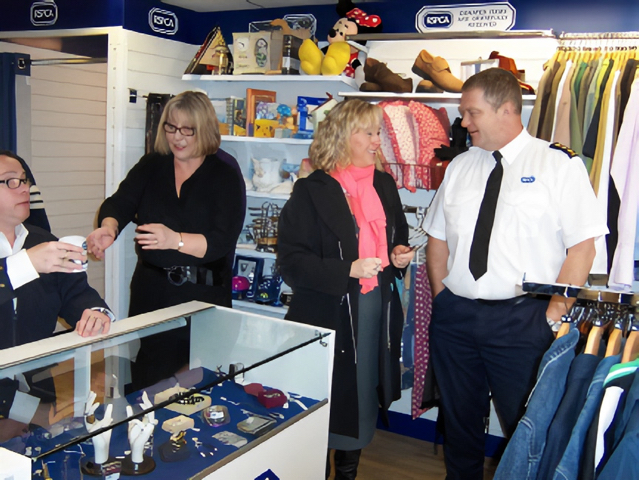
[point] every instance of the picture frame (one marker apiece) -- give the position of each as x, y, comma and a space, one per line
253, 97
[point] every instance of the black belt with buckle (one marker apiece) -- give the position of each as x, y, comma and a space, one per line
180, 274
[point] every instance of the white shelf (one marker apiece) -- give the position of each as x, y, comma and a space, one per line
445, 97
284, 141
249, 250
274, 78
267, 195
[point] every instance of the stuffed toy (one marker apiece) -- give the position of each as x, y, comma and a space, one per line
339, 56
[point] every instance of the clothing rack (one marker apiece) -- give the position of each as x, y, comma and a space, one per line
582, 293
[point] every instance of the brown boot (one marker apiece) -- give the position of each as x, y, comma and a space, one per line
426, 86
437, 70
377, 72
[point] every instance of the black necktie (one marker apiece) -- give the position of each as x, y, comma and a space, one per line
478, 261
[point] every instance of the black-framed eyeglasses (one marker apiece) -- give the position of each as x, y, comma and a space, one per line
13, 183
186, 131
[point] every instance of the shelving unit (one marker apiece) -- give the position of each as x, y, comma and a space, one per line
290, 150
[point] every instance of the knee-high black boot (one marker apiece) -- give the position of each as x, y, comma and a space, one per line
346, 463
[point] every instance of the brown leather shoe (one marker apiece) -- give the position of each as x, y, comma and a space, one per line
426, 86
436, 69
370, 87
377, 72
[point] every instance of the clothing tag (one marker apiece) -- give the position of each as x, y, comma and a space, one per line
527, 179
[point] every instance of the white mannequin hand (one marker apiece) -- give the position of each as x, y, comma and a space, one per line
140, 430
101, 441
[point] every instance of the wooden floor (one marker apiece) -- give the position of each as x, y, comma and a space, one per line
397, 457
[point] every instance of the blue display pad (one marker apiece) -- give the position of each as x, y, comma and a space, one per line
202, 454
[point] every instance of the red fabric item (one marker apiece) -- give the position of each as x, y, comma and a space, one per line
272, 398
369, 215
410, 133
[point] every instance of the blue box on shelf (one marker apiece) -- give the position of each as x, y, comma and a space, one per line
305, 106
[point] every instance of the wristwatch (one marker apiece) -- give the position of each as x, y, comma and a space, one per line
106, 311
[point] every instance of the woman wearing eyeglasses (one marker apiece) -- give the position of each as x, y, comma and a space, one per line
188, 203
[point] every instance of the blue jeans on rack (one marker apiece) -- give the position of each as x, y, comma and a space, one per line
525, 449
568, 468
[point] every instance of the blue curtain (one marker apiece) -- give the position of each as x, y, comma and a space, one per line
11, 64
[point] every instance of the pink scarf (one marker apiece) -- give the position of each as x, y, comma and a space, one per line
369, 215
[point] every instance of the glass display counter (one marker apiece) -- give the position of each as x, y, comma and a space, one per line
251, 403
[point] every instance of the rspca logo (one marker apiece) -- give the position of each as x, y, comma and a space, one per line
438, 20
527, 179
44, 13
163, 21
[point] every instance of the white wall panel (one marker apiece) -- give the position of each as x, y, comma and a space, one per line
68, 143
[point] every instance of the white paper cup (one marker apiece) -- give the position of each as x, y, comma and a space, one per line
78, 241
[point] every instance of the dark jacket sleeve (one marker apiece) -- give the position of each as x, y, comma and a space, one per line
77, 295
8, 389
6, 290
303, 248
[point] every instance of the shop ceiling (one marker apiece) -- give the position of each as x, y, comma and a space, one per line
221, 5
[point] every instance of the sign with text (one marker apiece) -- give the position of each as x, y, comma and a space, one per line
44, 13
466, 18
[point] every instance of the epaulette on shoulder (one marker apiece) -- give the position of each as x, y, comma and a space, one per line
563, 148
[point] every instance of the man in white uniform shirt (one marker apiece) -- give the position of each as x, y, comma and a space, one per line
487, 336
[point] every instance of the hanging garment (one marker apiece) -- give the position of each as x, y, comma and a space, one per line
625, 173
423, 396
568, 467
580, 377
561, 126
624, 459
543, 93
523, 453
617, 382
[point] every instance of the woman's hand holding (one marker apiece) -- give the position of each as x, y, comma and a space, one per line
155, 236
366, 267
402, 255
100, 239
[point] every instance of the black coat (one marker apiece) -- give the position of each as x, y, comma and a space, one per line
317, 243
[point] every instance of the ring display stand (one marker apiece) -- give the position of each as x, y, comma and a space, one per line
131, 468
89, 467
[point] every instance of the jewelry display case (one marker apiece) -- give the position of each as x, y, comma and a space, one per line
253, 402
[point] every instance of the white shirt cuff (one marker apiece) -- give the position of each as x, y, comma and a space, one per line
23, 408
20, 269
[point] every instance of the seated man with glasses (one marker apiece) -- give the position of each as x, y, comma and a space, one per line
39, 282
34, 286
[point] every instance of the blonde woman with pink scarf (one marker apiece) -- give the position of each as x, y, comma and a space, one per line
342, 244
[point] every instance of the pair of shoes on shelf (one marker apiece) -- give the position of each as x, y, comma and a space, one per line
379, 78
436, 71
